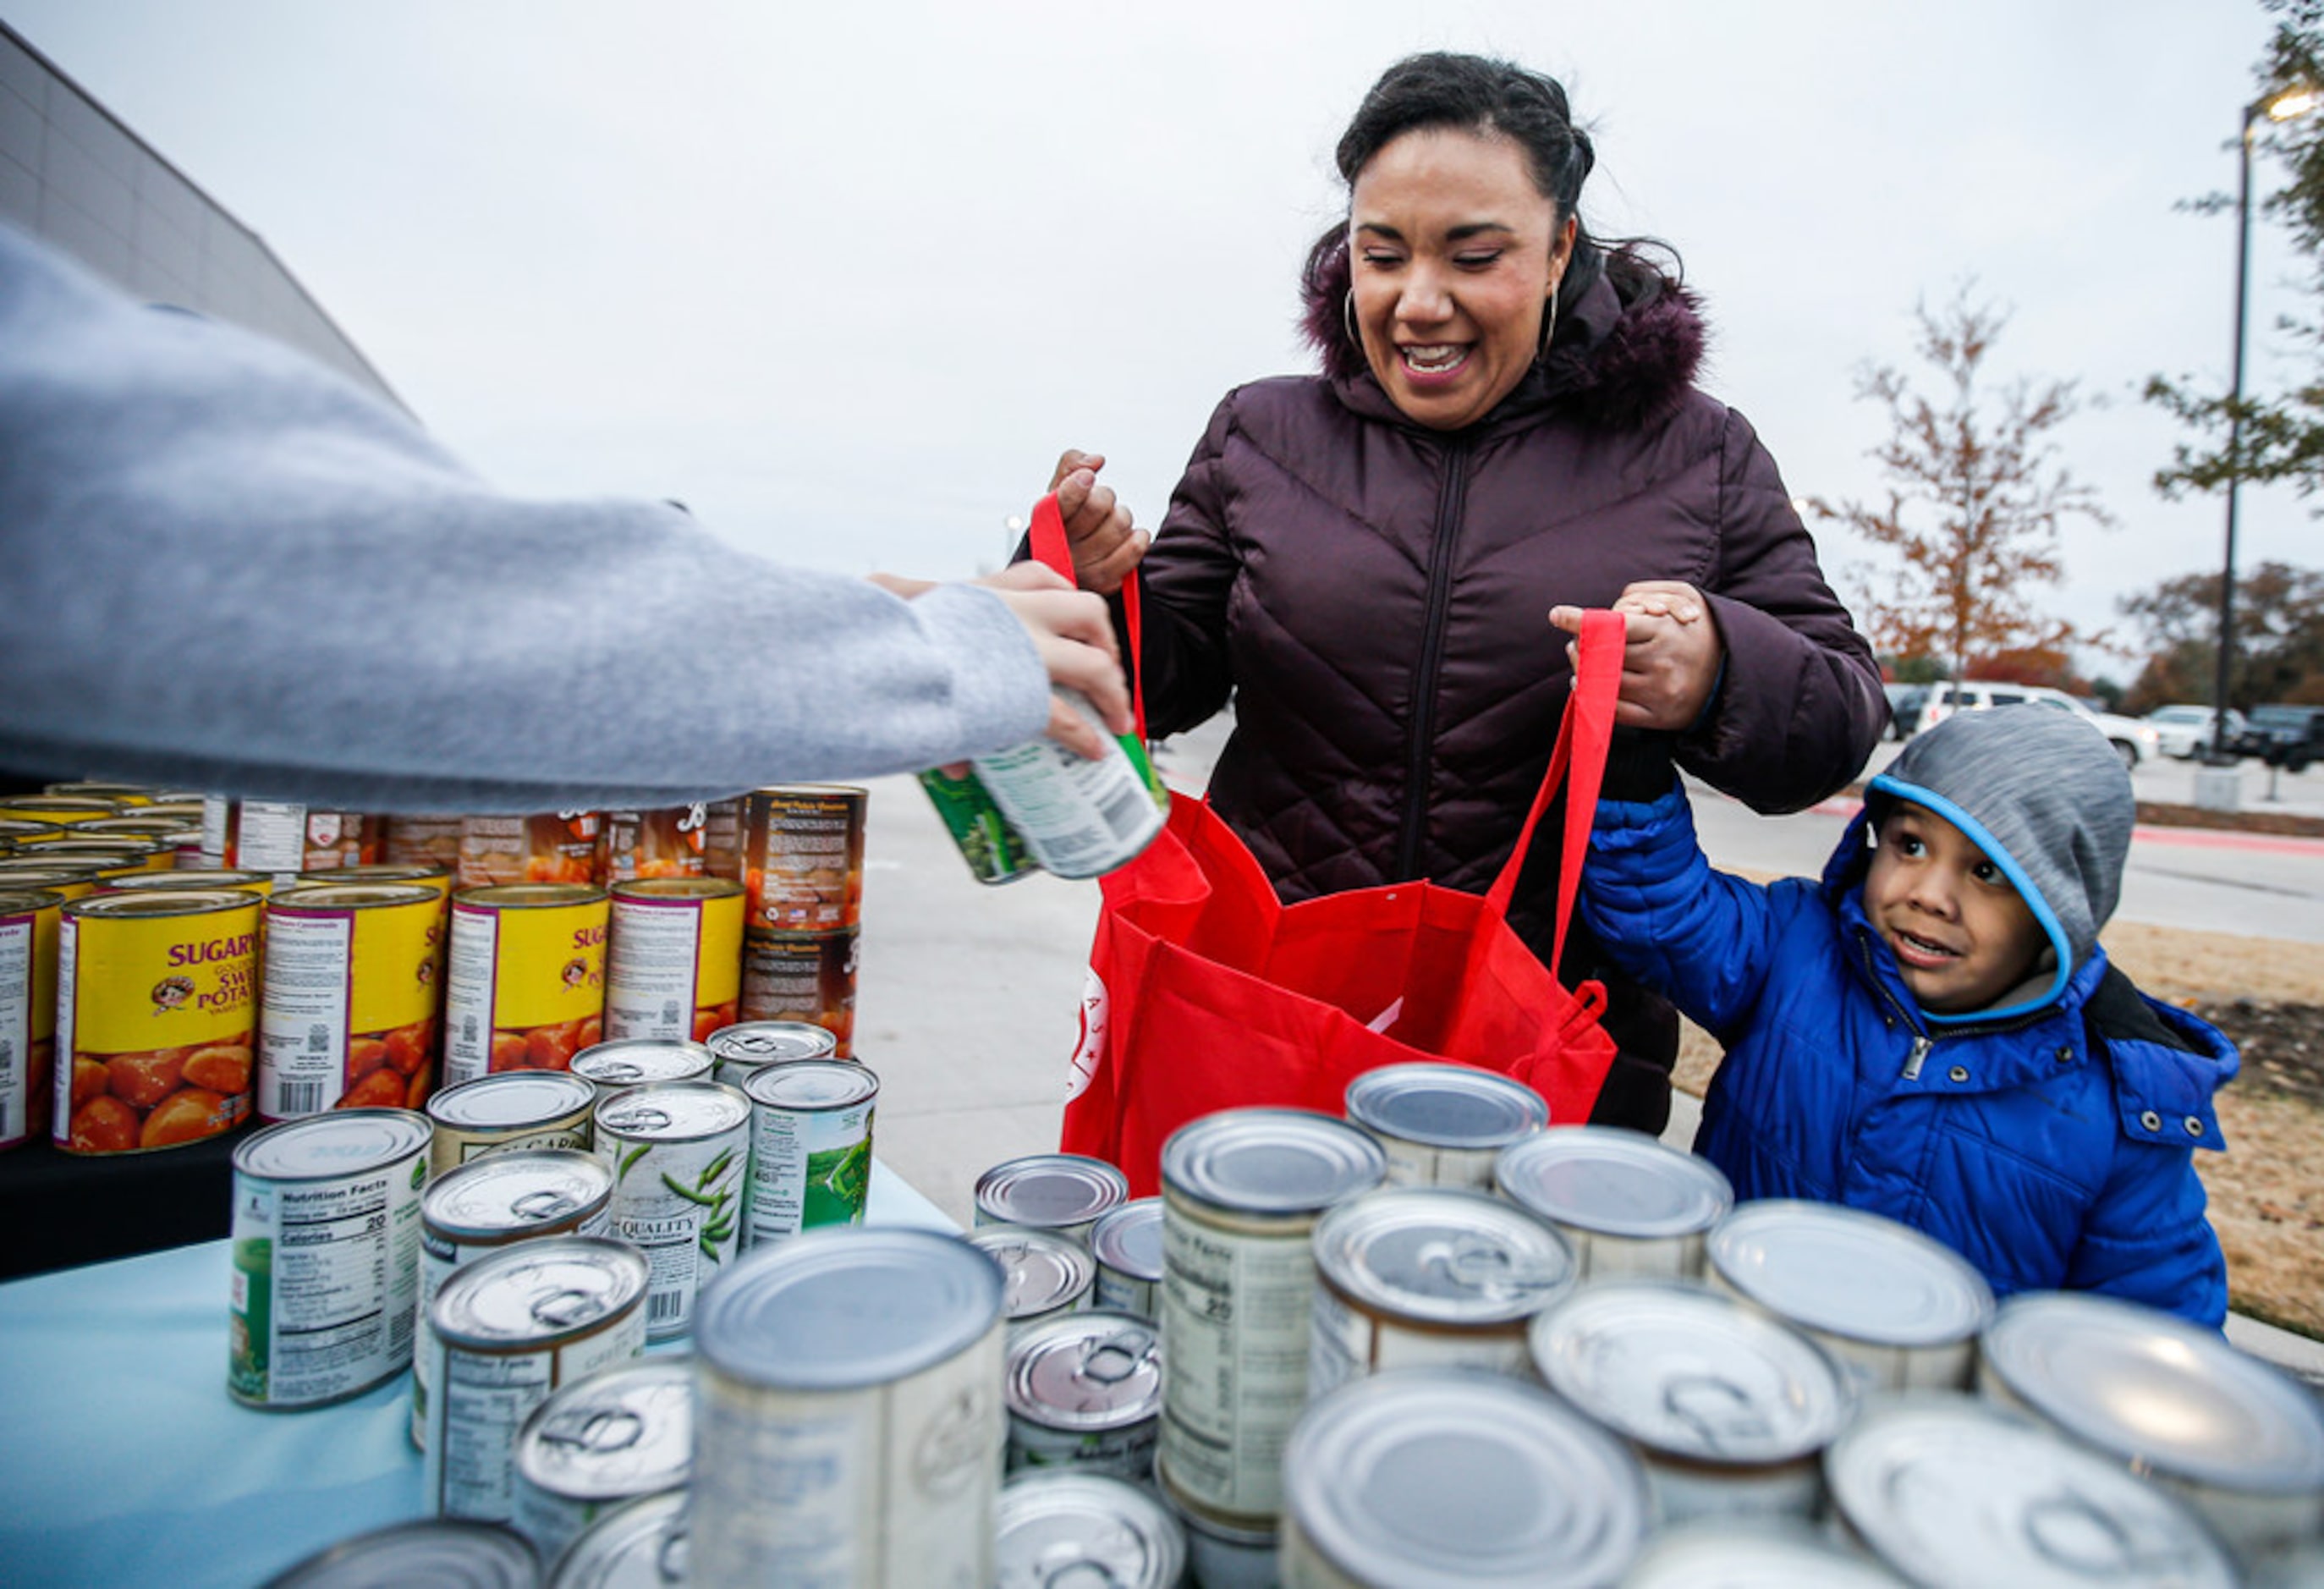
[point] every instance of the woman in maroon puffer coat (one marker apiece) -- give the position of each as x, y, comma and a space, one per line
1367, 559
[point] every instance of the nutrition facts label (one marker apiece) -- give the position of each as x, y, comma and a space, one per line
1235, 1325
468, 994
340, 1278
270, 836
303, 1024
15, 1025
649, 976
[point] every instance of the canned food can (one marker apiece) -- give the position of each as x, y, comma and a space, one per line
435, 880
1242, 1192
1943, 1489
803, 857
1435, 1276
1758, 1553
1627, 1204
672, 841
674, 967
638, 1545
807, 976
502, 1198
118, 855
636, 1062
181, 843
1062, 1192
68, 879
679, 1152
281, 837
29, 920
129, 796
810, 1147
1066, 1528
260, 884
847, 1417
549, 849
1044, 1275
2237, 1439
1730, 1408
508, 1330
525, 988
993, 849
622, 1433
1443, 1125
155, 1019
348, 1015
722, 839
737, 1051
423, 840
326, 1256
1127, 1243
63, 810
1444, 1475
434, 1551
1085, 1391
1076, 817
1220, 1554
499, 1113
1896, 1309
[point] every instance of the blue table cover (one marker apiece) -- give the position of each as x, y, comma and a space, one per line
124, 1461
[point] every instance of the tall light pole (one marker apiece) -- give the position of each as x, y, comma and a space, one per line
2277, 107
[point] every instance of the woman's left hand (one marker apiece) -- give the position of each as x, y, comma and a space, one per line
1670, 657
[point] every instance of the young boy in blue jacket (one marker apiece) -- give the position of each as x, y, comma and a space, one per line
1932, 1032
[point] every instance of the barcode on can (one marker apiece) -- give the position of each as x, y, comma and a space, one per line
299, 1097
663, 1306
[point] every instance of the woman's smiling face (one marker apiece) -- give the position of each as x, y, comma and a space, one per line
1453, 251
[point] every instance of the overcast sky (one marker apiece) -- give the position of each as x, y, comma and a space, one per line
846, 279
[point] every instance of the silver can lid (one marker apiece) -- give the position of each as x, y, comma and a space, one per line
1765, 1554
846, 1307
1445, 1105
503, 1192
1280, 1161
1049, 1190
764, 1042
435, 1551
511, 1098
1851, 1273
630, 1062
1445, 1255
639, 1545
328, 1146
623, 1431
1611, 1181
673, 1111
1954, 1491
1438, 1476
1689, 1373
811, 1085
1041, 1270
2158, 1392
1059, 1529
1129, 1239
538, 1293
1086, 1370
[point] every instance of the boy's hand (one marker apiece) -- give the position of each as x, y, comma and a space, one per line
1105, 545
1670, 658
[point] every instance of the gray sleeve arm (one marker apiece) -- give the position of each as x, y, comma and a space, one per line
223, 568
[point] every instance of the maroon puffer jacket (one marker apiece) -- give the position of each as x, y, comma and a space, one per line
1375, 595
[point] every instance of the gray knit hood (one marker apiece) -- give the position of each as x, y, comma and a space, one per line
2043, 794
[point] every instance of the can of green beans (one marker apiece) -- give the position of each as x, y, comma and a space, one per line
679, 1152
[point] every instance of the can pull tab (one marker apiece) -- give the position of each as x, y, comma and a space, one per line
562, 1310
2066, 1530
543, 1204
1719, 1412
599, 1430
1116, 1357
643, 1118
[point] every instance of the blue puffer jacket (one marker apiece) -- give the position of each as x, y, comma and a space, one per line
2053, 1148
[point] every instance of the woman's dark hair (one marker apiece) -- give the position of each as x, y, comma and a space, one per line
1476, 94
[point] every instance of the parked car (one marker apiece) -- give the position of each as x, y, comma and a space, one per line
2185, 731
2285, 735
1904, 704
2133, 740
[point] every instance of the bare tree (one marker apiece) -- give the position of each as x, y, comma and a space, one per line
1976, 496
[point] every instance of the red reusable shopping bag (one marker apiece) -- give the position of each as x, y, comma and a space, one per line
1206, 992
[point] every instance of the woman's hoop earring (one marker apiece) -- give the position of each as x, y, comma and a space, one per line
1548, 331
1348, 317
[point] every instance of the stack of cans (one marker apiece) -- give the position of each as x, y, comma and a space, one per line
803, 877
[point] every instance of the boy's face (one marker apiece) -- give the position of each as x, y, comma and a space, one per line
1960, 934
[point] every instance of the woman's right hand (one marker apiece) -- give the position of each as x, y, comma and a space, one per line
1106, 546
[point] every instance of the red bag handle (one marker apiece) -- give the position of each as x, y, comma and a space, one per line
1584, 735
1050, 547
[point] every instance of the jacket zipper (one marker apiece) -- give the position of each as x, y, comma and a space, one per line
1451, 502
1921, 1046
1922, 1041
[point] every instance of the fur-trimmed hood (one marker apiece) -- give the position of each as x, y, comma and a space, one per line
1613, 363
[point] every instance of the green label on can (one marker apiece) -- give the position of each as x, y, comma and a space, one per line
993, 849
836, 1182
251, 1323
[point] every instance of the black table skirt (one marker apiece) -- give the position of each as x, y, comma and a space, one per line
61, 1209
